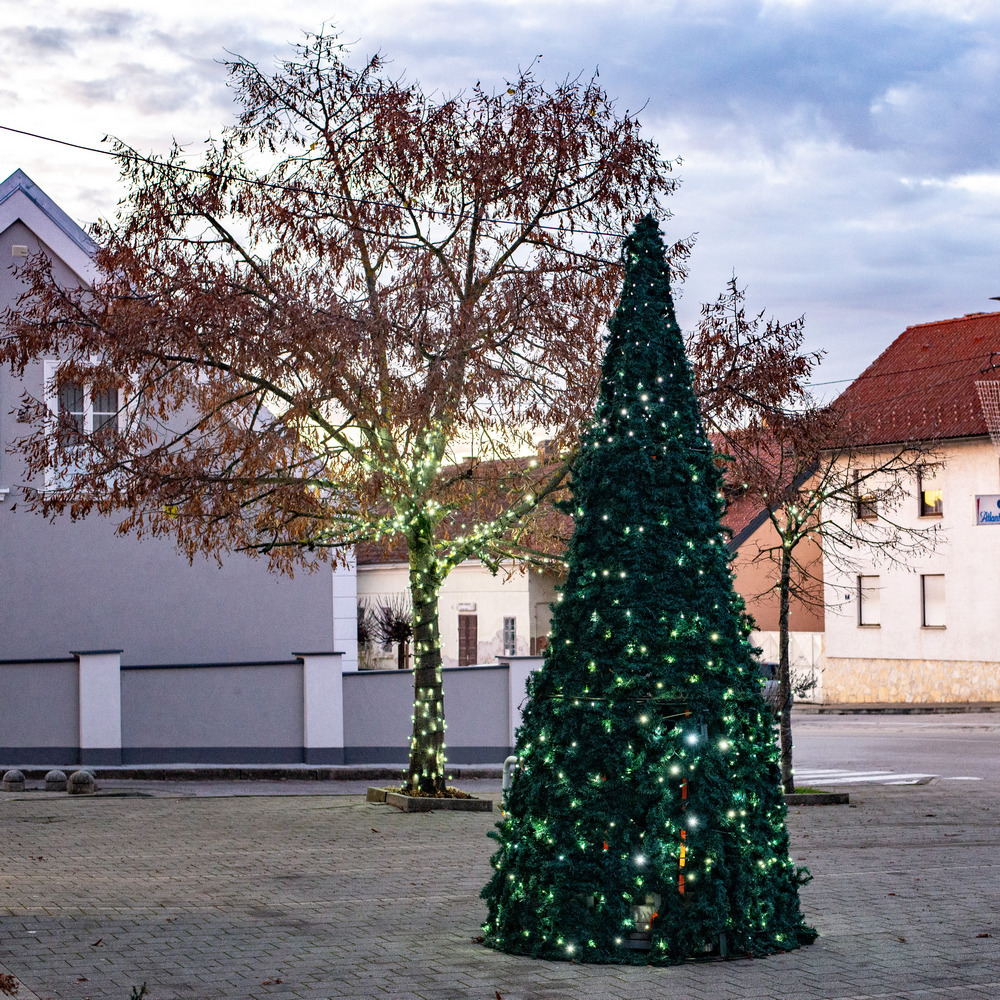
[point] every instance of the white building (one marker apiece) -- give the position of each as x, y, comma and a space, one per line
928, 631
481, 616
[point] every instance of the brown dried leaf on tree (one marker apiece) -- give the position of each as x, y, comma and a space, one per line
359, 286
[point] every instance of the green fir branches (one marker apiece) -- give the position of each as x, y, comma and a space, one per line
645, 822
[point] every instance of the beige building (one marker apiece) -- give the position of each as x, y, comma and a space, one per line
928, 631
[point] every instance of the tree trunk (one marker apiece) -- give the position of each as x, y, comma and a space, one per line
784, 672
427, 757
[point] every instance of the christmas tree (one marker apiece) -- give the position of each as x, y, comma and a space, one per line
645, 822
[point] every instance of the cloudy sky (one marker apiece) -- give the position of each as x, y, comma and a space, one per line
841, 157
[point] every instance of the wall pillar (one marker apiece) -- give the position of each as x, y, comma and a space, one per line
100, 706
519, 669
323, 707
345, 611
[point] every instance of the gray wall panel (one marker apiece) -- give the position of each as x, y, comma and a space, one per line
378, 706
39, 704
475, 708
212, 707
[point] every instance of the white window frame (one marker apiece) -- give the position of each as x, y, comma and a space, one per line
509, 635
869, 592
939, 601
50, 368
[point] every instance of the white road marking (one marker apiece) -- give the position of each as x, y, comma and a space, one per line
837, 776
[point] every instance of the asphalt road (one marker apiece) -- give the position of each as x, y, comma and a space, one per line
948, 746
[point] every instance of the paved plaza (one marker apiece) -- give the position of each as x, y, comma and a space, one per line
323, 895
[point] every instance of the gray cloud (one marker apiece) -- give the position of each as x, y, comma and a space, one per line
34, 41
143, 89
109, 24
877, 78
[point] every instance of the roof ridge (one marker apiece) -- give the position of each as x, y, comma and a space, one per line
20, 181
954, 319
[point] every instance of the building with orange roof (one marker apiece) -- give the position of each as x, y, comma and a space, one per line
928, 631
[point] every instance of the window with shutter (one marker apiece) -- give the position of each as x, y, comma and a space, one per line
468, 639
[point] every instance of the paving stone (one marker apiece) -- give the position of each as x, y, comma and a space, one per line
216, 896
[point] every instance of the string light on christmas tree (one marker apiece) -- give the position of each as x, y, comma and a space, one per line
650, 828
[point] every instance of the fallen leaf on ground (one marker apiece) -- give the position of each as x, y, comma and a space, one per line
8, 984
984, 935
97, 942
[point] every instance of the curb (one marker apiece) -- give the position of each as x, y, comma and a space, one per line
901, 708
278, 772
818, 799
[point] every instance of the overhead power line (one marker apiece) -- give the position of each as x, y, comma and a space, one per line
899, 371
296, 189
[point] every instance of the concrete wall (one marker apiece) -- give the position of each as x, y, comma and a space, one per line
93, 710
218, 713
899, 659
39, 711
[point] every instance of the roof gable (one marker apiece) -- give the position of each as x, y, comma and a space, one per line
21, 199
923, 385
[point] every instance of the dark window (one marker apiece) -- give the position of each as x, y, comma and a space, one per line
468, 639
864, 503
72, 413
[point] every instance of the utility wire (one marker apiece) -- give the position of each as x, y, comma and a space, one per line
132, 154
901, 371
274, 186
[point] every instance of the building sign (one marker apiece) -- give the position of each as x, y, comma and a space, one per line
988, 509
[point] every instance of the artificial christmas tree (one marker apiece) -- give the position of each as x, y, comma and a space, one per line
645, 822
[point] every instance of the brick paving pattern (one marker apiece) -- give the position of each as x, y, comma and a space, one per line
326, 896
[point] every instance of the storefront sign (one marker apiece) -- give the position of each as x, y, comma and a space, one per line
988, 509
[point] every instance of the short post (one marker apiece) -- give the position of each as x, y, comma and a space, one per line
100, 706
322, 707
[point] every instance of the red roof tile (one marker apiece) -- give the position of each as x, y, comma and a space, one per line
923, 386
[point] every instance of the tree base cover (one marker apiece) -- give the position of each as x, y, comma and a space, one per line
645, 823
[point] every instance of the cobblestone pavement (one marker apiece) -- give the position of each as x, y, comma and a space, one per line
326, 896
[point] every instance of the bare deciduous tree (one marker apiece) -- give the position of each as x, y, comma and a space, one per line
814, 481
